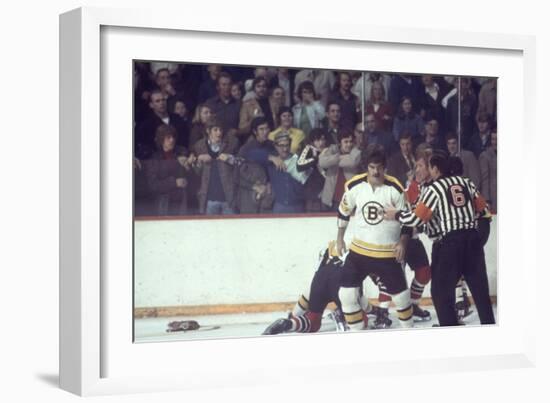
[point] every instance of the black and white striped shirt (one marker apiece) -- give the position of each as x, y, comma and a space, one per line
431, 228
448, 204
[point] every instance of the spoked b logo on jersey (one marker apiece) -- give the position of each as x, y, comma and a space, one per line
373, 213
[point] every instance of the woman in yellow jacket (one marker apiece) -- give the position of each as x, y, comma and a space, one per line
297, 136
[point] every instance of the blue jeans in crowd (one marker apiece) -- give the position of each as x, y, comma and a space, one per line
218, 208
279, 208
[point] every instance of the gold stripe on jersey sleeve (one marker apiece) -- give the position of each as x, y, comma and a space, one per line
355, 180
393, 181
372, 250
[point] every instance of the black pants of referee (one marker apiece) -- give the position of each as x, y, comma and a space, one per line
460, 253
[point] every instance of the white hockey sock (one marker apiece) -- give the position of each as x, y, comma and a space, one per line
404, 308
349, 297
301, 306
364, 302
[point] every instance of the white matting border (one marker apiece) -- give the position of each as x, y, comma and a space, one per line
97, 356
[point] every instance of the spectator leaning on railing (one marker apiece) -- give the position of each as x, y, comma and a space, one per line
297, 137
309, 161
215, 161
255, 194
296, 102
341, 162
166, 173
287, 182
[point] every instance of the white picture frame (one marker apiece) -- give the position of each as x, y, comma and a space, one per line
90, 319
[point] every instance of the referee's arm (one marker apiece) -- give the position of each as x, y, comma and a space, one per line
416, 218
420, 215
480, 204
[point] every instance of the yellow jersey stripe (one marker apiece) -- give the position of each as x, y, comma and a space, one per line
372, 252
355, 180
374, 246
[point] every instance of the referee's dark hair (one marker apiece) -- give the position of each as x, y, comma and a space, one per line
440, 160
456, 167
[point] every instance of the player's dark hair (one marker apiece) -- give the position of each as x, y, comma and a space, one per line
366, 151
376, 157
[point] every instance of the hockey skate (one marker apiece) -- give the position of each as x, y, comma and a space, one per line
338, 317
419, 314
382, 319
373, 312
463, 308
279, 326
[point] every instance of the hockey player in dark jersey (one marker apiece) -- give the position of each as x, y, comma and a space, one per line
308, 312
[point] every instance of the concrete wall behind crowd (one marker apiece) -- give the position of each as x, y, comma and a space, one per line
240, 261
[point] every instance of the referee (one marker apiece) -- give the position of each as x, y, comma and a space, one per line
452, 204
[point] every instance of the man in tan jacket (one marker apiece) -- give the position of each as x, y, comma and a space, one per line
260, 105
341, 162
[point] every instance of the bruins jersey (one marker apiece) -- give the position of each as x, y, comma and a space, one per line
374, 236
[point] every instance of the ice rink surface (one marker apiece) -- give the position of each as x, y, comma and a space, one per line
252, 325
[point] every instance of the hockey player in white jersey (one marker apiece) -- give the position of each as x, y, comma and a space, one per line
378, 246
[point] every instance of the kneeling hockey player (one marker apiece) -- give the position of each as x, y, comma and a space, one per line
308, 312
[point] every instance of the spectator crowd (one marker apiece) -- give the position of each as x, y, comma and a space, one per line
215, 139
